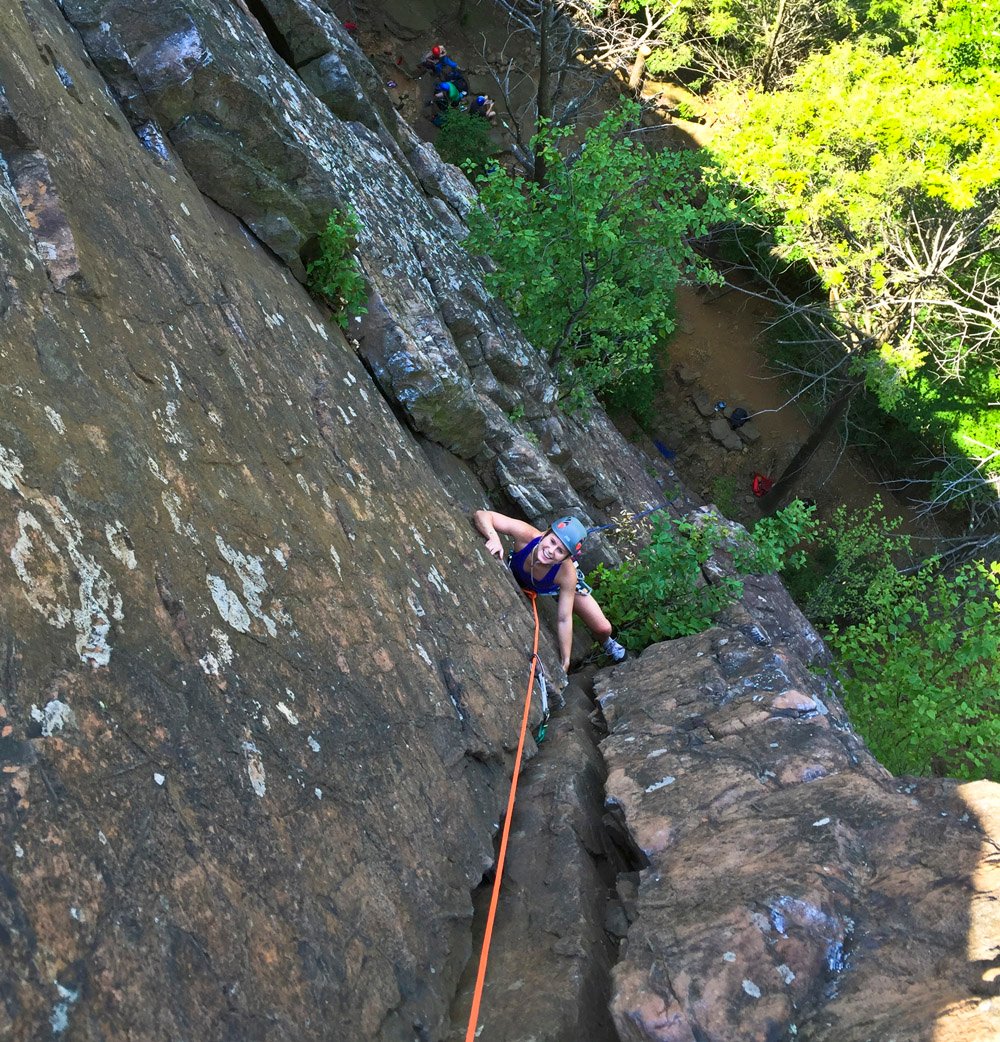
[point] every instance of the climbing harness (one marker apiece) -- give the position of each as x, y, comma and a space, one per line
477, 993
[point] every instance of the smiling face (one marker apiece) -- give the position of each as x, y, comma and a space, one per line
551, 550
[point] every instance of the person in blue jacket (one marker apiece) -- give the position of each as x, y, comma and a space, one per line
545, 562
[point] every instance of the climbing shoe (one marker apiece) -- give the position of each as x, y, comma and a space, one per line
614, 650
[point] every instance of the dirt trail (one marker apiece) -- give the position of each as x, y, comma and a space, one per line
719, 341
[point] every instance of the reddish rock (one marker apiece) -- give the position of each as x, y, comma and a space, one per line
794, 888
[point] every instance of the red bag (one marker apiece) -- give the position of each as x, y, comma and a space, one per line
761, 485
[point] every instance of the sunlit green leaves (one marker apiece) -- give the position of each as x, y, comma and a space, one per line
589, 263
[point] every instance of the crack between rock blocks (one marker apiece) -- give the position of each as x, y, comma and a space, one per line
617, 859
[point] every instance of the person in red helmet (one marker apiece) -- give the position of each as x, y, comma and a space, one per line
432, 57
545, 562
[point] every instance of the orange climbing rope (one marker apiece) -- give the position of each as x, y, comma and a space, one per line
477, 994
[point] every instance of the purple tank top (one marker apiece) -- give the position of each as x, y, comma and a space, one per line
523, 575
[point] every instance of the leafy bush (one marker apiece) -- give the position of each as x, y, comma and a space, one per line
773, 539
660, 592
590, 261
335, 274
921, 674
465, 140
851, 567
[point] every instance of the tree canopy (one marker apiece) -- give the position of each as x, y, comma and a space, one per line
590, 261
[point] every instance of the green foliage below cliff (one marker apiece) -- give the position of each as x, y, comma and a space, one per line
590, 261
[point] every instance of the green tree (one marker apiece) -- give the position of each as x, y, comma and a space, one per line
921, 674
590, 262
882, 173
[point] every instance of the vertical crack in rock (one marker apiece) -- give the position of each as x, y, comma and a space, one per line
555, 934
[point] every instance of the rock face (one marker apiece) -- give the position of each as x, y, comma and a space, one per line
259, 682
258, 679
794, 888
279, 118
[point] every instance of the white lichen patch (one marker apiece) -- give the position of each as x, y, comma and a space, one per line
279, 557
11, 469
415, 606
336, 560
154, 469
55, 717
661, 784
230, 606
210, 665
224, 651
751, 989
435, 579
250, 571
120, 543
313, 744
287, 713
43, 568
168, 423
255, 767
303, 484
419, 541
422, 652
55, 419
59, 1019
173, 505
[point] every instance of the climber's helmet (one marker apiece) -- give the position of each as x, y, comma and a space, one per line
571, 532
481, 99
436, 51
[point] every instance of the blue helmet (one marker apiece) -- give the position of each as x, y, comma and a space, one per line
571, 532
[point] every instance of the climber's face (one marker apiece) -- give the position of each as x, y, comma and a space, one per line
551, 549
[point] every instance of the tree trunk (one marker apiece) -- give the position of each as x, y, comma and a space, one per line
638, 67
795, 471
544, 87
765, 75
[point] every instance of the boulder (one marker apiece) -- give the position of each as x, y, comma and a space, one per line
794, 888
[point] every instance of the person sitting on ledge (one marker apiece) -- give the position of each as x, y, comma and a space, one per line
545, 562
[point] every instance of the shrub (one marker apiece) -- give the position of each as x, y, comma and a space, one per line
921, 674
660, 592
466, 141
851, 568
335, 274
